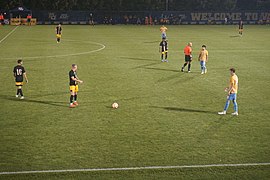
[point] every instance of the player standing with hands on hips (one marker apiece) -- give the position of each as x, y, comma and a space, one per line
73, 86
232, 93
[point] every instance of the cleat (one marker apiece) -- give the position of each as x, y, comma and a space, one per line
189, 71
76, 103
17, 96
72, 106
182, 70
22, 97
202, 72
235, 114
166, 60
162, 60
222, 113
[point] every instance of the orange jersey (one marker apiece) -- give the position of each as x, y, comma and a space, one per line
1, 17
163, 29
187, 50
29, 17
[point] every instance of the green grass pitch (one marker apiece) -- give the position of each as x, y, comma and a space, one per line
165, 118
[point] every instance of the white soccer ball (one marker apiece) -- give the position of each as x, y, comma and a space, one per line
115, 105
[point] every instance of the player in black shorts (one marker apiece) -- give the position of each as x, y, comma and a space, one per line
19, 74
91, 19
163, 49
58, 31
241, 27
73, 86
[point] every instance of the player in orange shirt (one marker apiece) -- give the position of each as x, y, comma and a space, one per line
1, 19
29, 18
188, 57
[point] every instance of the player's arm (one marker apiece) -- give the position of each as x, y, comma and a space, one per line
26, 79
229, 89
207, 57
76, 79
199, 57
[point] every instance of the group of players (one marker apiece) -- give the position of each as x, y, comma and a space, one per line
20, 73
203, 58
163, 49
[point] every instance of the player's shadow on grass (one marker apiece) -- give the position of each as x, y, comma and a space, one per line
150, 42
183, 110
51, 103
235, 36
138, 59
161, 69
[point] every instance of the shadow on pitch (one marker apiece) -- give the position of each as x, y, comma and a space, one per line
160, 69
236, 36
51, 103
138, 59
151, 42
184, 110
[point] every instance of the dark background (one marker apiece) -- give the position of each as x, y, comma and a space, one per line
138, 5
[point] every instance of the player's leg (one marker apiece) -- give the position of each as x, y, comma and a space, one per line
202, 70
227, 104
19, 90
185, 64
72, 96
166, 56
58, 36
162, 56
76, 95
235, 106
189, 66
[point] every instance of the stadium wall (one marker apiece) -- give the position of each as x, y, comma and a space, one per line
173, 17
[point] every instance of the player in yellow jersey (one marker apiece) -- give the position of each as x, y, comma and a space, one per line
203, 58
232, 93
163, 31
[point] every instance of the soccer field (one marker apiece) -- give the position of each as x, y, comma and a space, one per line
165, 117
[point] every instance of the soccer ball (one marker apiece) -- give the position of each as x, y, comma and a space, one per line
115, 105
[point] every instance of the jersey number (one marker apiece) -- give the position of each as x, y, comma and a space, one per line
19, 72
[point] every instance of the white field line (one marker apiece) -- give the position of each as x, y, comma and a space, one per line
8, 34
135, 168
63, 55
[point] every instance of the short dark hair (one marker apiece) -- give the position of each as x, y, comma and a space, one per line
233, 70
73, 65
204, 46
19, 61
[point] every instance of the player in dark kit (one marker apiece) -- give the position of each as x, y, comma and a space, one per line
58, 31
241, 27
73, 86
163, 49
19, 73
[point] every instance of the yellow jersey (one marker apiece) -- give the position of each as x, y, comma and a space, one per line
234, 83
203, 56
163, 29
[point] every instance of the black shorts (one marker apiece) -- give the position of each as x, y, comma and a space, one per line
188, 58
28, 20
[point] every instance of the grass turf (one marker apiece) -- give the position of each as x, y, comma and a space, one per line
165, 117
